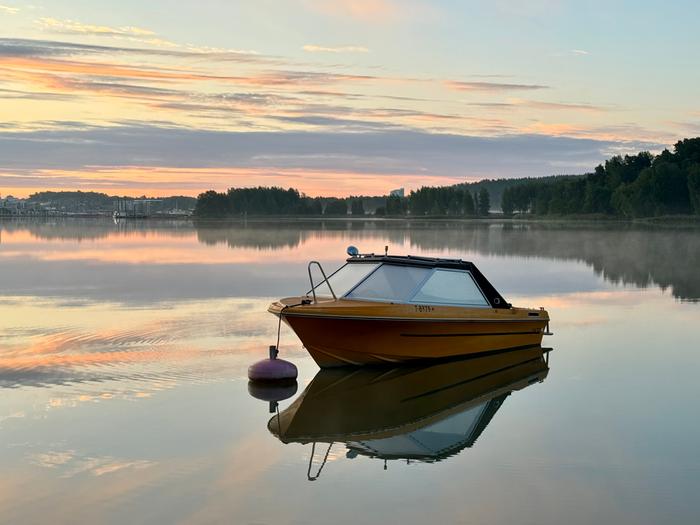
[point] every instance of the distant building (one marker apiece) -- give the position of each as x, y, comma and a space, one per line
10, 201
397, 193
13, 206
133, 208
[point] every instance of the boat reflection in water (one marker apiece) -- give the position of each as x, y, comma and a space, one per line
425, 413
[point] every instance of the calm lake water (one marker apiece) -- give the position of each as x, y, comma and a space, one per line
124, 399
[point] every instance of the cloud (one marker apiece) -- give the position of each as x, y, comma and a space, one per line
172, 158
51, 71
8, 9
33, 95
104, 69
692, 127
16, 47
363, 10
555, 128
496, 105
73, 27
311, 77
491, 86
631, 131
571, 52
263, 97
54, 64
310, 48
144, 93
340, 123
208, 50
539, 104
183, 88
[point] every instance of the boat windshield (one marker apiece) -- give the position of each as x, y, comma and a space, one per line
450, 287
413, 284
436, 440
390, 283
404, 284
345, 278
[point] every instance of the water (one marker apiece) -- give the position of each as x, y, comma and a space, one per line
124, 399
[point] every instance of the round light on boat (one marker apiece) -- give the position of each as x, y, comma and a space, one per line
353, 251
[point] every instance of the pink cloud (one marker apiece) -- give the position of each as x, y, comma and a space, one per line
364, 10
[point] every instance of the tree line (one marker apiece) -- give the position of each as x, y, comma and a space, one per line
641, 185
455, 201
240, 202
259, 201
496, 187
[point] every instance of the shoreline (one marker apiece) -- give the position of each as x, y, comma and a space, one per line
665, 220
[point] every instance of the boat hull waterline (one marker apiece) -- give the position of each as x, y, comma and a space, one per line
340, 333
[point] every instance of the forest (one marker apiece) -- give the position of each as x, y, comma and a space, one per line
632, 186
641, 185
265, 201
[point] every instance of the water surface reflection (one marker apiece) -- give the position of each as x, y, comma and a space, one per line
124, 350
422, 413
620, 253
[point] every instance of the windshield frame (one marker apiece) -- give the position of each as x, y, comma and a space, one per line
412, 293
328, 286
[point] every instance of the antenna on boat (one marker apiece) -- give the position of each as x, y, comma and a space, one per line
386, 251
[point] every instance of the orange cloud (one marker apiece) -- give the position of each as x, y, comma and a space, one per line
107, 70
136, 180
46, 71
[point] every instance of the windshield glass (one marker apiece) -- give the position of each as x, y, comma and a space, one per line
450, 287
390, 283
343, 279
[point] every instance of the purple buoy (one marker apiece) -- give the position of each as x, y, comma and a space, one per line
272, 369
272, 391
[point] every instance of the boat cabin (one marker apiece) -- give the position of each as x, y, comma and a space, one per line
412, 280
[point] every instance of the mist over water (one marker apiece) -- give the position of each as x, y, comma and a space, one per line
124, 350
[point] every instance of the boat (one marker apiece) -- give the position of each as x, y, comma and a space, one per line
390, 309
413, 413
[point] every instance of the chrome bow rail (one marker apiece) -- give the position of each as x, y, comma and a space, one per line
325, 280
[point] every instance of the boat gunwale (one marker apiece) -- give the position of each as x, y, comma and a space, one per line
287, 313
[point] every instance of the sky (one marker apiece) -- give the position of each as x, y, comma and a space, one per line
335, 97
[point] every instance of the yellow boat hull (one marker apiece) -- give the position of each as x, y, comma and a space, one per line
341, 332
